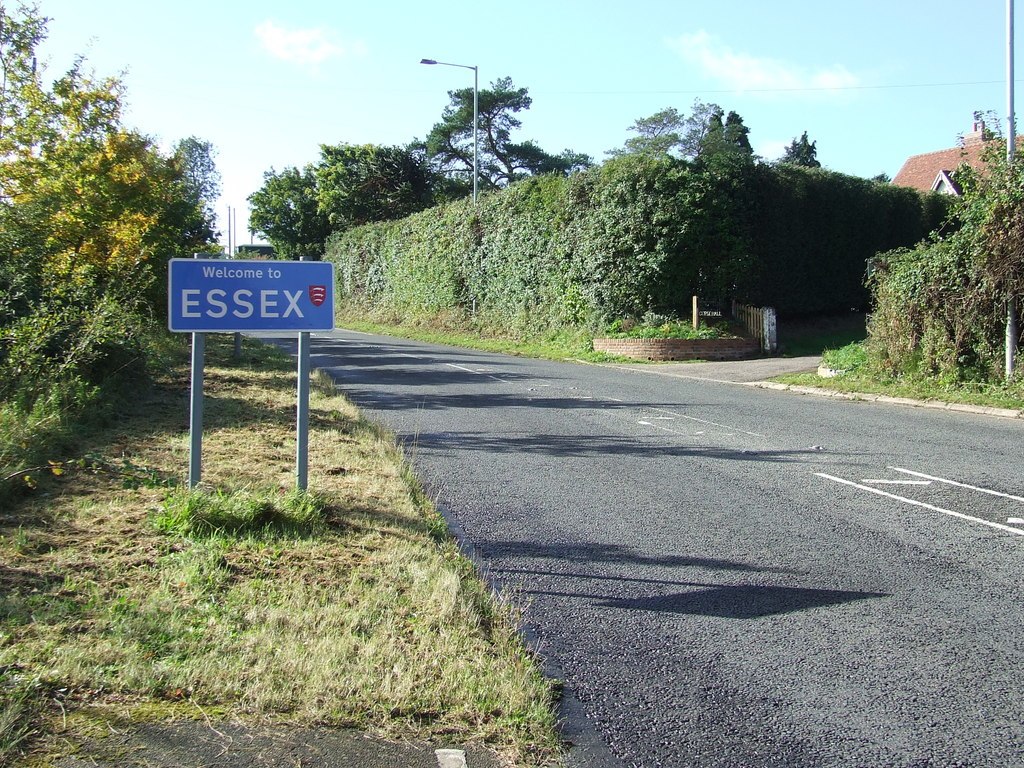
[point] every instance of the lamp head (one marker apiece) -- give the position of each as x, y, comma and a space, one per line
427, 61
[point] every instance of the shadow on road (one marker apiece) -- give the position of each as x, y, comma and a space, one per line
731, 601
593, 445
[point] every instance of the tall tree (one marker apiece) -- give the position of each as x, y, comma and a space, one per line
801, 151
703, 118
660, 134
360, 184
201, 184
449, 145
725, 138
285, 210
669, 132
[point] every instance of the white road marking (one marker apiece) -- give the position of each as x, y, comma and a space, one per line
959, 485
476, 373
898, 482
916, 503
1015, 520
676, 431
704, 421
462, 368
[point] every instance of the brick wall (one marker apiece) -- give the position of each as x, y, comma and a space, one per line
660, 350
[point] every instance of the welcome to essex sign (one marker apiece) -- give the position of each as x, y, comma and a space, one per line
218, 296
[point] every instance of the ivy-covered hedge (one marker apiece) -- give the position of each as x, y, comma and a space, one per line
635, 235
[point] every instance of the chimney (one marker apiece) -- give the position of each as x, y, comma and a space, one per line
976, 136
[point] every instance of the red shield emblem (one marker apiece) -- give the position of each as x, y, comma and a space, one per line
317, 294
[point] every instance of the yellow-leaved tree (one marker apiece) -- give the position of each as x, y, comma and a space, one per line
90, 212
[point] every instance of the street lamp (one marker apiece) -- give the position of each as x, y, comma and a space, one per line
476, 169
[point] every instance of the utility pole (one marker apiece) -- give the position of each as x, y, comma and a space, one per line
1012, 333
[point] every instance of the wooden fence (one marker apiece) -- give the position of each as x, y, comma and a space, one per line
760, 323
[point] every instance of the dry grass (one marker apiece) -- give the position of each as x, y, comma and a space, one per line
362, 614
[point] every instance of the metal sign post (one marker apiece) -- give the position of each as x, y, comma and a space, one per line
302, 416
195, 419
302, 413
213, 296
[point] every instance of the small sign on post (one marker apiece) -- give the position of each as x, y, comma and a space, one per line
706, 308
218, 296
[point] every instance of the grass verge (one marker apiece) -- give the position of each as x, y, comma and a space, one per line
567, 344
988, 395
125, 597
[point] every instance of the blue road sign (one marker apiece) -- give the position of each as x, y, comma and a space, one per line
225, 295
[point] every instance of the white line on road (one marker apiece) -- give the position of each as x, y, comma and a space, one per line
476, 373
958, 485
898, 482
916, 503
677, 432
704, 421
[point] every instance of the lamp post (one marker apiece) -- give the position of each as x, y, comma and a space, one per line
476, 91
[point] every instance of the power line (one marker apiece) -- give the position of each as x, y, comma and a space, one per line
776, 90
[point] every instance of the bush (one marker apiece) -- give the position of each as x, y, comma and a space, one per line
941, 307
934, 317
655, 326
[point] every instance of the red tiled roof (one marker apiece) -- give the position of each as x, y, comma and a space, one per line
920, 171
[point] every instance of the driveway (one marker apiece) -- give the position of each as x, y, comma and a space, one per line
736, 371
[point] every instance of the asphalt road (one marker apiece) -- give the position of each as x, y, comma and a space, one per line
725, 575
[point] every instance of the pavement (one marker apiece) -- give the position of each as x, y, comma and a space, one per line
197, 743
731, 371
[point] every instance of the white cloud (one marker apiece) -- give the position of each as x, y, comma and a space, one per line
746, 73
305, 47
771, 149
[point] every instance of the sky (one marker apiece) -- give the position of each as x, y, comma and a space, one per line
872, 82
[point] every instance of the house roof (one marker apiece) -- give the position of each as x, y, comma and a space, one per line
923, 171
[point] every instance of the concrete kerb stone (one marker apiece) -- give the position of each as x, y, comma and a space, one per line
980, 410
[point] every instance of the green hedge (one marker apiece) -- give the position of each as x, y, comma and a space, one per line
633, 236
814, 232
